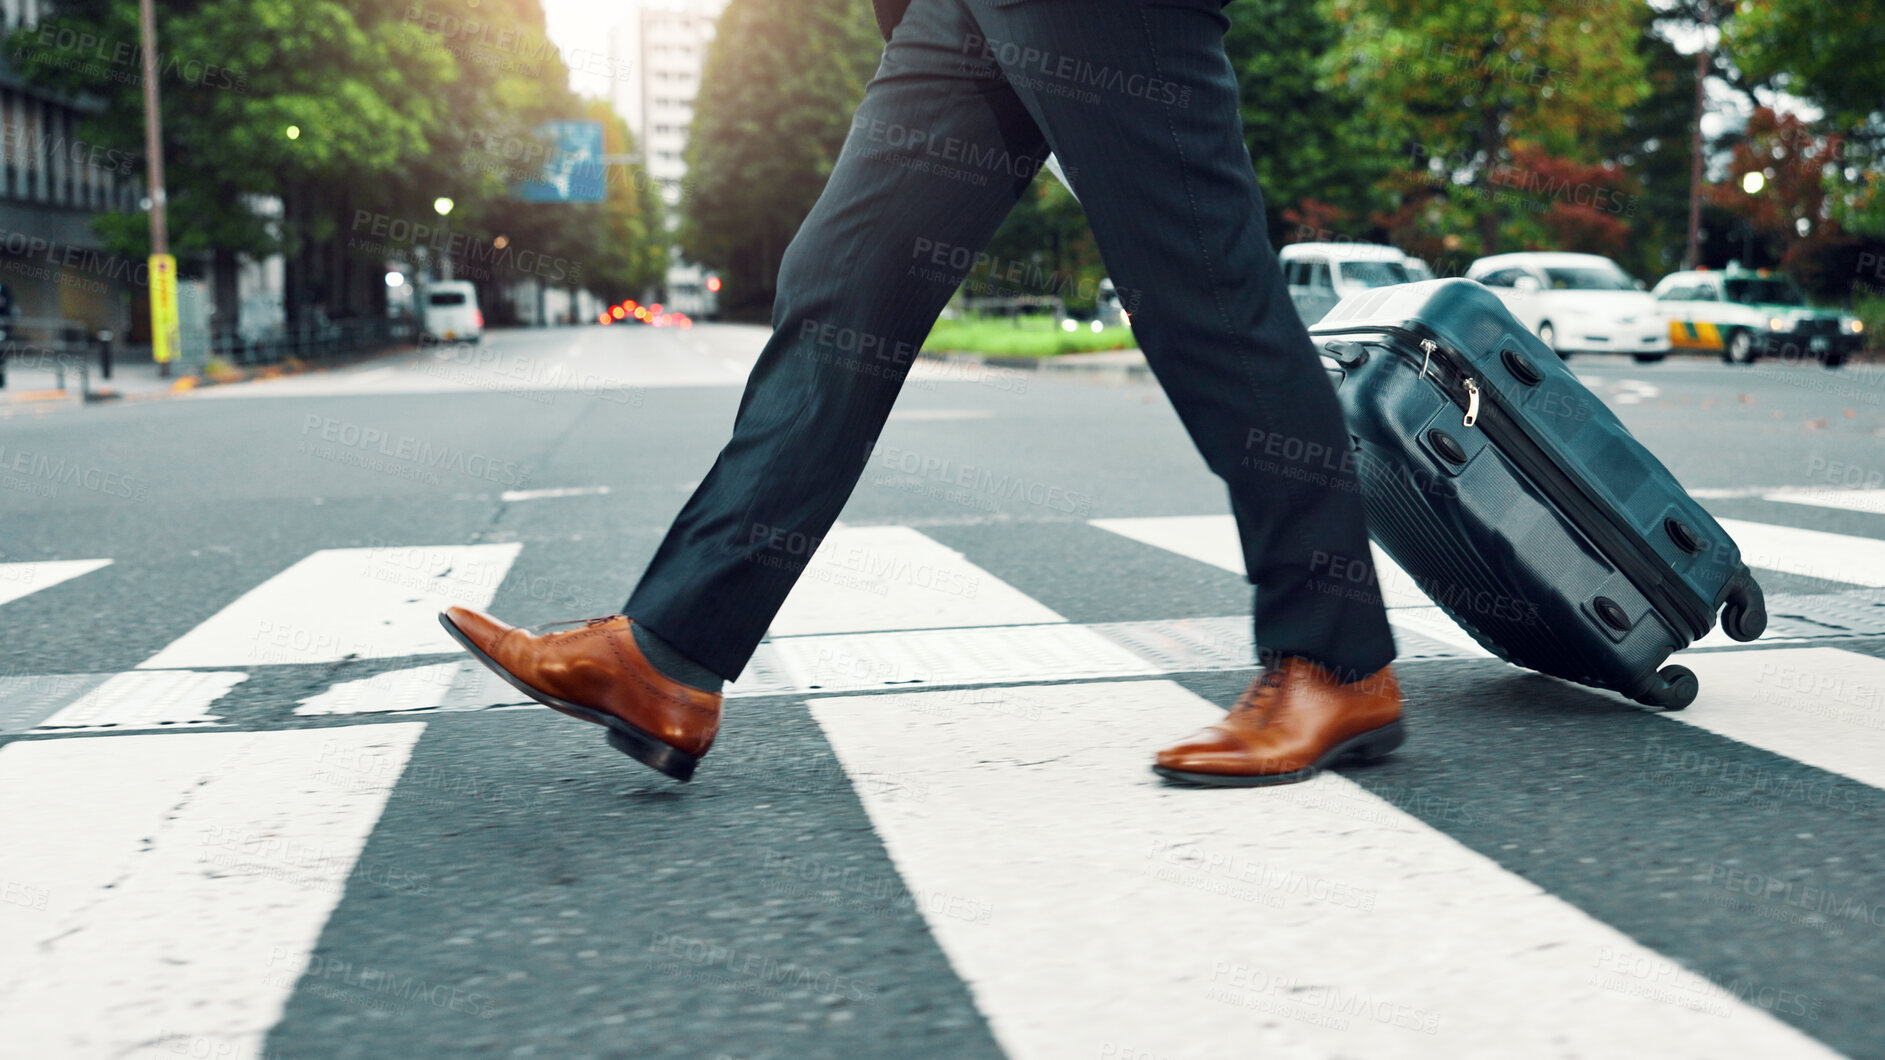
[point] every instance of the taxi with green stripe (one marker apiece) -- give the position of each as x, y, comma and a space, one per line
1745, 314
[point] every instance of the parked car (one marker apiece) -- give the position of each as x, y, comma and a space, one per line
1322, 274
1743, 314
449, 311
1577, 303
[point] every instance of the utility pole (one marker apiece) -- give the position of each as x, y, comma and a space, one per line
1692, 256
163, 267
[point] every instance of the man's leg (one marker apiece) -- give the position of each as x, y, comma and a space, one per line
1139, 101
939, 151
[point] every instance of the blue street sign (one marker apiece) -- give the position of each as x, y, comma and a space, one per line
573, 171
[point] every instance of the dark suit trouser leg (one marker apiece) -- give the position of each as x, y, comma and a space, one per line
937, 155
1140, 104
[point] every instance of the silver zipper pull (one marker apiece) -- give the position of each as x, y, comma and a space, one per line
1427, 346
1472, 403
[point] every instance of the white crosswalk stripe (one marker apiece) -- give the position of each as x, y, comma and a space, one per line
1821, 706
1871, 501
1111, 912
340, 603
1213, 539
23, 579
1106, 912
419, 688
147, 700
1813, 553
940, 657
874, 578
181, 900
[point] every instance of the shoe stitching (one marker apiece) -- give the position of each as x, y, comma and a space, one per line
685, 702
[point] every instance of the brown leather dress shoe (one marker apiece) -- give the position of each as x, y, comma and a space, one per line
598, 674
1291, 723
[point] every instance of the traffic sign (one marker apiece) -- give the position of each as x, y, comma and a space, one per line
574, 171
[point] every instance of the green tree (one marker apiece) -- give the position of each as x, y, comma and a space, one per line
235, 75
1834, 56
1319, 157
1456, 83
1830, 53
1047, 232
1653, 147
780, 82
392, 104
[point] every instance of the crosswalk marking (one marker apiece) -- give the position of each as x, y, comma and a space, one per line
513, 496
1855, 500
1206, 538
418, 688
24, 579
1835, 557
1126, 918
1872, 501
1821, 706
984, 655
1816, 553
180, 901
340, 603
1213, 539
871, 578
1436, 624
1813, 553
464, 684
901, 629
147, 700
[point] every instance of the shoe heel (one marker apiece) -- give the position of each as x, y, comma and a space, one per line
654, 754
1376, 745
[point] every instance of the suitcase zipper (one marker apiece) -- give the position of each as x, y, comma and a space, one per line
1471, 385
1649, 572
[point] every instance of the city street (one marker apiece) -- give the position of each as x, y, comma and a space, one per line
258, 804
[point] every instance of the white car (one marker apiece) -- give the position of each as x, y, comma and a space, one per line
1577, 303
449, 311
1322, 274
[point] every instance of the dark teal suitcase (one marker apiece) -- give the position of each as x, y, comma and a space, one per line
1519, 502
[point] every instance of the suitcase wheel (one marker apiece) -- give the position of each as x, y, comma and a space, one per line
1745, 615
1671, 688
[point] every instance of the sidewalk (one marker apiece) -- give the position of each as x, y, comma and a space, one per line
41, 380
1110, 364
31, 381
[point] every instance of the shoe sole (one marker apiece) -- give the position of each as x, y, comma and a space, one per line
1370, 746
642, 746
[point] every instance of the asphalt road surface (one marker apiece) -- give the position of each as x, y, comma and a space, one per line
256, 804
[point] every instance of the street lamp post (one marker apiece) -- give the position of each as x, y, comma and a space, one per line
163, 278
1692, 254
444, 206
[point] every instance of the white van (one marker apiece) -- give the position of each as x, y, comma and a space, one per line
1322, 274
1581, 303
449, 311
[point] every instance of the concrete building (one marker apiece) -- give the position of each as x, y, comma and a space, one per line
663, 43
53, 184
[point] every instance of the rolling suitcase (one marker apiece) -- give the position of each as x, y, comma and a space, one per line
1519, 502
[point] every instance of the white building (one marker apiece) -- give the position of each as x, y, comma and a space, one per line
663, 43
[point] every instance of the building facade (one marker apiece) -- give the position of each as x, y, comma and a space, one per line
53, 184
663, 43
